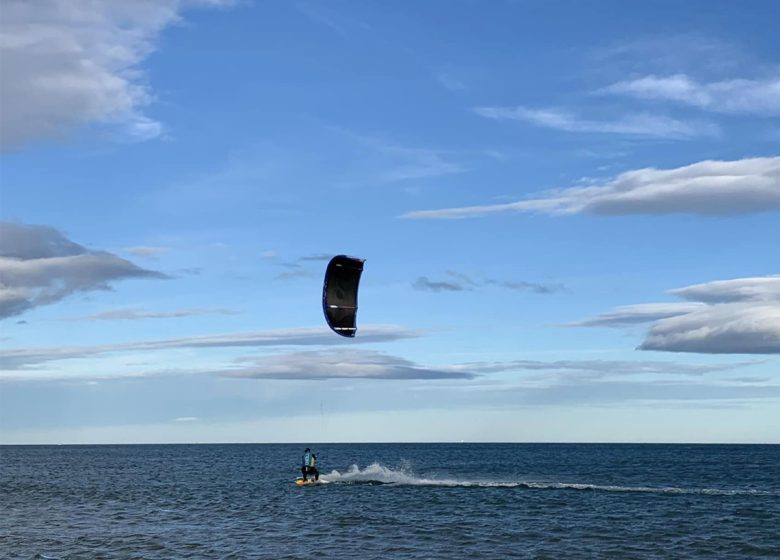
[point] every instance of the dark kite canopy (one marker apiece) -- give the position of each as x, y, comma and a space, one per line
339, 294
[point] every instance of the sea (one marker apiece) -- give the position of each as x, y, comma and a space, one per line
409, 501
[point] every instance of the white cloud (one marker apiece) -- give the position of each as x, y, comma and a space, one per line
705, 188
339, 364
738, 316
742, 315
71, 62
633, 124
762, 288
761, 97
26, 358
638, 314
39, 266
733, 328
599, 368
139, 314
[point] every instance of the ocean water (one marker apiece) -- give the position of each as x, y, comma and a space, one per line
415, 501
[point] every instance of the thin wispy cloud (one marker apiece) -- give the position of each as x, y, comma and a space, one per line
423, 283
146, 251
338, 364
67, 64
324, 14
131, 314
523, 286
39, 266
26, 358
642, 313
600, 368
663, 54
299, 268
321, 257
738, 316
654, 393
379, 160
450, 81
736, 96
294, 272
641, 124
416, 163
459, 282
709, 188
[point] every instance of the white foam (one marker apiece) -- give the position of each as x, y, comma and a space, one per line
380, 474
376, 473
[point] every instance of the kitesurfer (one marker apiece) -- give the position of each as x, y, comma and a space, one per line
309, 464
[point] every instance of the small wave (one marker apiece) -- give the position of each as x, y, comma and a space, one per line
376, 474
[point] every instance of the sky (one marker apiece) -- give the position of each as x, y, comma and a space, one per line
568, 213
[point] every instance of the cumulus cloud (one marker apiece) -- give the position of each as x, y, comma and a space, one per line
634, 124
738, 96
339, 364
707, 188
738, 316
39, 266
66, 63
26, 358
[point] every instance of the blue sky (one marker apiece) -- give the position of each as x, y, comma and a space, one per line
568, 211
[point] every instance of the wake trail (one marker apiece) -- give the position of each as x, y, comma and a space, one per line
377, 474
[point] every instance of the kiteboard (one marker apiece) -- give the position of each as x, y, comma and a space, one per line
307, 482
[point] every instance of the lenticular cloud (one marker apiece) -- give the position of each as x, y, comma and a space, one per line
732, 328
709, 188
737, 316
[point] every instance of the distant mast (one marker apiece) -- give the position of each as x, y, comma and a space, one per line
340, 293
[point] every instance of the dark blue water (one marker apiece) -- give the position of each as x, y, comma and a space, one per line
421, 501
